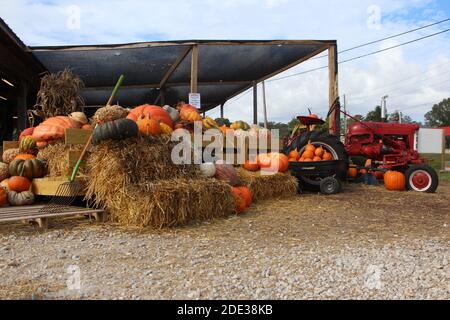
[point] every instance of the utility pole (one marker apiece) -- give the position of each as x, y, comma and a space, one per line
345, 114
264, 103
383, 108
400, 115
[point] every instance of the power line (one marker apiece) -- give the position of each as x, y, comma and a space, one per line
387, 38
363, 56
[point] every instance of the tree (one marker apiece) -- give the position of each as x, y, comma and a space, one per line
395, 116
439, 116
374, 115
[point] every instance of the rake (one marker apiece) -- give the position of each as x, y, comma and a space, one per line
68, 191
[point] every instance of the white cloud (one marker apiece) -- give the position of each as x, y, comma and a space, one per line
45, 23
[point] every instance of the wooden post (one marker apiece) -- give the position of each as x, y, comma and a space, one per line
194, 69
221, 110
22, 106
333, 92
163, 96
443, 150
264, 103
255, 102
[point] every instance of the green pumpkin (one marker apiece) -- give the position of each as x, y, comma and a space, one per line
29, 168
20, 198
115, 130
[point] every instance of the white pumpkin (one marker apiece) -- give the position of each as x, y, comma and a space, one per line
208, 169
4, 171
20, 198
79, 117
173, 113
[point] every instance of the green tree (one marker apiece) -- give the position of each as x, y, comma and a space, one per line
395, 116
374, 115
439, 116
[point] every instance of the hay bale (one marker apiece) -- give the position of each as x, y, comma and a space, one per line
264, 187
57, 157
137, 183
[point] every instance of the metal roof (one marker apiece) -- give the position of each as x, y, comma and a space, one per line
225, 68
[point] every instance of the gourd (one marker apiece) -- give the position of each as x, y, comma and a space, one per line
226, 173
209, 123
240, 125
28, 145
4, 171
247, 194
327, 156
394, 181
109, 113
20, 198
3, 197
29, 168
154, 112
54, 128
250, 166
26, 132
9, 155
79, 117
165, 129
240, 203
115, 130
148, 126
18, 184
173, 113
294, 154
189, 113
208, 169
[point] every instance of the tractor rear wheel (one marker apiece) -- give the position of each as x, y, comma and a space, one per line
421, 178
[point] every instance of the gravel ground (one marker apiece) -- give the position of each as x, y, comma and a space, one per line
363, 243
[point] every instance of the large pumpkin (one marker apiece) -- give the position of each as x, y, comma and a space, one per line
29, 168
189, 113
19, 184
154, 112
275, 162
20, 198
54, 128
115, 130
148, 126
239, 199
247, 194
250, 166
28, 145
4, 171
227, 173
394, 181
3, 197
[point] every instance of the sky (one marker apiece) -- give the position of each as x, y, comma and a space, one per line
414, 76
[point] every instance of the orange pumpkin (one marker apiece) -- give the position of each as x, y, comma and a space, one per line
19, 184
154, 112
308, 154
294, 154
378, 174
327, 156
319, 152
3, 197
316, 158
25, 156
352, 172
293, 160
54, 128
148, 126
239, 199
250, 166
275, 161
363, 171
247, 194
189, 113
394, 181
87, 127
308, 160
311, 148
313, 116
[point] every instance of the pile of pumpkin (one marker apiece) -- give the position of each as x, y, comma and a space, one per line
393, 180
227, 173
272, 162
18, 169
310, 153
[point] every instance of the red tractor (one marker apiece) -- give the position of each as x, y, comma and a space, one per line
390, 146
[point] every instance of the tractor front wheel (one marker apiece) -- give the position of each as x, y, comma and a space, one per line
421, 178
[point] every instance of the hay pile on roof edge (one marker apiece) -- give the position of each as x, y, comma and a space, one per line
266, 187
137, 183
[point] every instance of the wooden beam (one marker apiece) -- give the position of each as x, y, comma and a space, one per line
221, 110
255, 102
22, 106
174, 66
194, 69
333, 93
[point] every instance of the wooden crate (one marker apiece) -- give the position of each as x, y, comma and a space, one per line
48, 186
10, 145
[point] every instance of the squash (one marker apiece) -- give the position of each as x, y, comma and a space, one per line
327, 156
223, 122
29, 168
54, 128
173, 113
227, 173
208, 169
3, 197
79, 117
394, 181
310, 147
148, 126
189, 113
294, 154
275, 162
154, 112
24, 156
247, 194
28, 145
4, 171
209, 123
9, 155
20, 198
240, 203
240, 125
352, 172
165, 129
115, 130
109, 113
19, 184
250, 166
308, 154
87, 127
319, 152
4, 184
26, 132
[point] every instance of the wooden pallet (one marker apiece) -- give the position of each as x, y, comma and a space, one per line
32, 213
